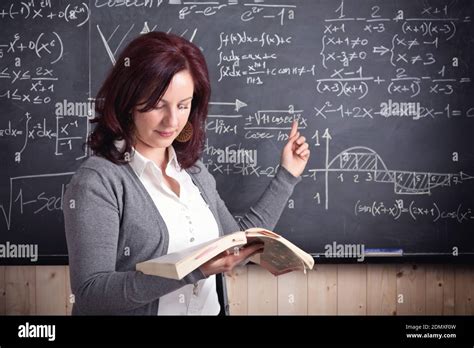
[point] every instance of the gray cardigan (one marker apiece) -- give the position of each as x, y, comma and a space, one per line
112, 223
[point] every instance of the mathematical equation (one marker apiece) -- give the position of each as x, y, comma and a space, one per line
407, 110
399, 208
34, 195
381, 37
66, 136
254, 67
249, 11
43, 10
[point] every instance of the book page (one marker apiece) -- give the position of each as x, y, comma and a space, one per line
204, 250
290, 250
277, 258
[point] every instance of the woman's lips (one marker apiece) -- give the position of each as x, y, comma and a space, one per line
164, 134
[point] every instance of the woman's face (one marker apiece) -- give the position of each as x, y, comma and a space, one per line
158, 127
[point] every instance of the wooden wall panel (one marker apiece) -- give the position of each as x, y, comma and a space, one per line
464, 295
3, 291
449, 290
293, 293
20, 290
352, 289
327, 290
381, 289
411, 290
439, 290
322, 290
50, 290
237, 285
262, 291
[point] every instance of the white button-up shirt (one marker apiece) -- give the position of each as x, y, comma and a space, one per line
189, 222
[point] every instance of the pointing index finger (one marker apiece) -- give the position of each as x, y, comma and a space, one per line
294, 128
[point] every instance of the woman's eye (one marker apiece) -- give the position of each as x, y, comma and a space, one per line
161, 106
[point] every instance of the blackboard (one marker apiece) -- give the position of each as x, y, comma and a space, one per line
382, 91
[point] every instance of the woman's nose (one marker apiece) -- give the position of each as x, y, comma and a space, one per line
171, 117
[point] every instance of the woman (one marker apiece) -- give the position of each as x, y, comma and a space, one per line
145, 193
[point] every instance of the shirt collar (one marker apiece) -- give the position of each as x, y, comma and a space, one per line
140, 162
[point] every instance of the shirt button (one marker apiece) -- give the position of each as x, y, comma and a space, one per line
192, 239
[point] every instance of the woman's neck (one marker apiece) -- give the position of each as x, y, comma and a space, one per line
159, 155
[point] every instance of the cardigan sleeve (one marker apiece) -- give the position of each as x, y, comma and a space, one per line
92, 224
267, 210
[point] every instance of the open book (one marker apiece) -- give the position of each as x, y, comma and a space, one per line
279, 255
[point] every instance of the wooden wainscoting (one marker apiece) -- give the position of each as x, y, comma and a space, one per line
348, 289
352, 289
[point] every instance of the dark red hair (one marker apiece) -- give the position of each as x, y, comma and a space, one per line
142, 73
